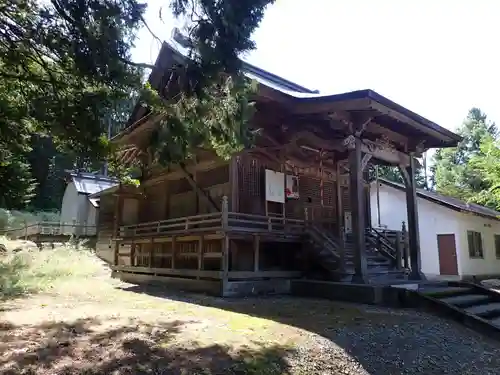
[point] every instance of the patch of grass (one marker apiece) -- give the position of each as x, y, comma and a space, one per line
28, 272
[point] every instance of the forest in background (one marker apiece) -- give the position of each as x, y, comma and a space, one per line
67, 83
470, 172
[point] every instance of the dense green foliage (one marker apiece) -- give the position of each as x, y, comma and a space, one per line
208, 102
394, 174
66, 77
470, 171
67, 82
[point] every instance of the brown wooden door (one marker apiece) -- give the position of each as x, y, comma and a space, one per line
447, 254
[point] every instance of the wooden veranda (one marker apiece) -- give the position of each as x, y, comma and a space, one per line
294, 205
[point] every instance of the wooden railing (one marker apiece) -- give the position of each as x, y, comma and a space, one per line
47, 228
213, 222
229, 221
188, 224
392, 244
325, 241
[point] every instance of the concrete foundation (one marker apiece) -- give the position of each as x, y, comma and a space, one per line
358, 293
256, 287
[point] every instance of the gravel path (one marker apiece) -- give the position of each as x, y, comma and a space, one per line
416, 345
111, 328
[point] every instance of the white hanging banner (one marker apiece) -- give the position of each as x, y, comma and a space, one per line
275, 186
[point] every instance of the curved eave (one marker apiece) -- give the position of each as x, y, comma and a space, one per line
393, 114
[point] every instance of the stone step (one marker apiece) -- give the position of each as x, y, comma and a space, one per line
495, 322
465, 300
376, 271
486, 309
444, 291
371, 261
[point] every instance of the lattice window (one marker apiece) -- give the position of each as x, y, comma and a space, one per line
329, 193
142, 255
346, 199
309, 190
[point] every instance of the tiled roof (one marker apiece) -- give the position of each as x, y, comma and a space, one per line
450, 202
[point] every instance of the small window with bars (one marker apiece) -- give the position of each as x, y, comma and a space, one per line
497, 245
475, 244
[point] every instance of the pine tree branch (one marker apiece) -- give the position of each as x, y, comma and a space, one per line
137, 65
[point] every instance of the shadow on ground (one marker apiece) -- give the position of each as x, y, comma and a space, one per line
86, 347
378, 340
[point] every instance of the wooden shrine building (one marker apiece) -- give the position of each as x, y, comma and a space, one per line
294, 205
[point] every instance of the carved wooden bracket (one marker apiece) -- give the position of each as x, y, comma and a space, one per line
365, 160
350, 142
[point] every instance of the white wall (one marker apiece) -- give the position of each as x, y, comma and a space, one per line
69, 208
433, 220
76, 209
489, 265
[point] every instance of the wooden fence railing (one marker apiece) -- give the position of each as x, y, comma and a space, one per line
47, 228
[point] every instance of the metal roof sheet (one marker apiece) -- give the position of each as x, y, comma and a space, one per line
90, 183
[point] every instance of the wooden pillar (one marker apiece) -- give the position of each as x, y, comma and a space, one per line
256, 253
174, 248
340, 210
366, 189
399, 250
225, 244
116, 225
200, 255
413, 230
357, 210
406, 255
233, 178
151, 253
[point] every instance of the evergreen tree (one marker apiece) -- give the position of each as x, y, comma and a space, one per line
393, 174
453, 172
65, 64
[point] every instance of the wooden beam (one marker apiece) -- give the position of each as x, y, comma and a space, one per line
405, 119
199, 190
375, 128
347, 105
172, 272
263, 274
388, 155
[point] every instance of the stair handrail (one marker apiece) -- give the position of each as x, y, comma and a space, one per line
320, 235
383, 238
332, 242
387, 247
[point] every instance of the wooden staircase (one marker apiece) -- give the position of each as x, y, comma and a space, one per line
337, 257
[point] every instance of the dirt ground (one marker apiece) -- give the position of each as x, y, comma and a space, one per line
103, 326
